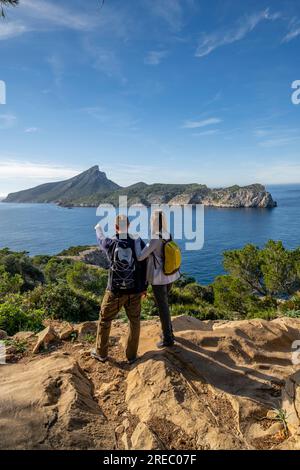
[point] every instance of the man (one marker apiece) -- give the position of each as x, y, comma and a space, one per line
126, 285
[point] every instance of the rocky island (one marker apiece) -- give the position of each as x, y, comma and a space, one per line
92, 187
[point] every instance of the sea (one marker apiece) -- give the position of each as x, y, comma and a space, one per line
48, 229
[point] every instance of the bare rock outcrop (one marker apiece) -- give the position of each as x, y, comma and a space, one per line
216, 384
92, 256
225, 385
50, 405
291, 403
85, 329
66, 332
143, 439
3, 334
45, 337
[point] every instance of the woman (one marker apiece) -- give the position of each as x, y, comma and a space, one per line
161, 283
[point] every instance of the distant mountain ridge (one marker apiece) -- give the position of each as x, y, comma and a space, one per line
83, 185
92, 187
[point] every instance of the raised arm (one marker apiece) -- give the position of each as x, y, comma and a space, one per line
144, 253
103, 242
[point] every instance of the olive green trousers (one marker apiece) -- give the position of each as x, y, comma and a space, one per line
110, 307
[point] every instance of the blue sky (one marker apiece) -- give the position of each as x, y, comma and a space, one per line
151, 90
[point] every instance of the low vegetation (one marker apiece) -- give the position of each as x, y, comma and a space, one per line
260, 283
74, 250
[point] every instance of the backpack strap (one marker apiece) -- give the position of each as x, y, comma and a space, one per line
160, 229
155, 261
160, 225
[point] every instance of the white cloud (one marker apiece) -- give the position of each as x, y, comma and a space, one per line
276, 137
16, 175
199, 124
105, 59
278, 142
57, 67
7, 121
278, 173
262, 132
58, 15
43, 15
294, 30
206, 133
155, 57
31, 130
126, 175
12, 29
34, 171
113, 120
168, 10
245, 25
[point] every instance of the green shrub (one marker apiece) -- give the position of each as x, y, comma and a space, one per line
292, 304
60, 302
87, 279
184, 280
14, 318
273, 270
263, 315
184, 309
199, 292
292, 313
74, 250
231, 294
149, 309
280, 268
9, 284
202, 312
56, 269
89, 338
213, 313
40, 261
266, 303
20, 346
21, 264
180, 296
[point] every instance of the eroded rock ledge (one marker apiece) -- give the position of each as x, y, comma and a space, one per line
218, 388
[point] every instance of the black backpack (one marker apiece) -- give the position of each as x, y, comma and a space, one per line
123, 266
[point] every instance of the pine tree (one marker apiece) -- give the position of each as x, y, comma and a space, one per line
7, 3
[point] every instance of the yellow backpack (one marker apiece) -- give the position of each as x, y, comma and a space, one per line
171, 257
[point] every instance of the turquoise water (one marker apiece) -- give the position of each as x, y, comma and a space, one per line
48, 229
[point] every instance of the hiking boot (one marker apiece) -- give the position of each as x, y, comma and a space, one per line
96, 356
165, 344
132, 361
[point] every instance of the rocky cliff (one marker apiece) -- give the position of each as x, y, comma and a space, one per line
236, 197
91, 188
225, 385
